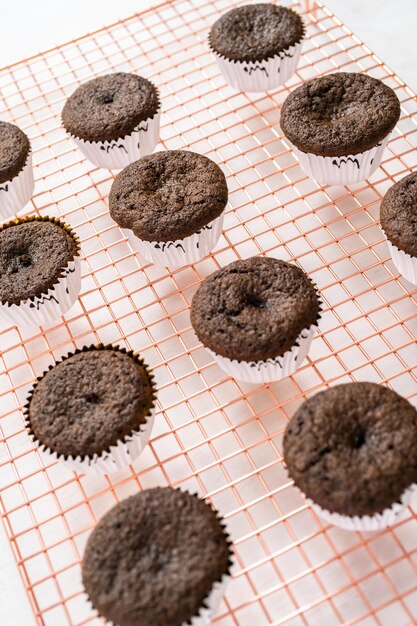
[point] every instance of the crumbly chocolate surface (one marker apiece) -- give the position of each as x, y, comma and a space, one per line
89, 402
254, 309
14, 151
339, 114
32, 256
109, 107
168, 195
153, 559
351, 448
399, 214
256, 32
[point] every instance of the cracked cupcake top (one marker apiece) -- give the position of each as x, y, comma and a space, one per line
109, 107
153, 559
168, 195
339, 114
32, 257
254, 309
256, 32
90, 401
351, 448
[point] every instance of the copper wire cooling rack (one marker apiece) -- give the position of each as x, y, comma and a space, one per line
212, 433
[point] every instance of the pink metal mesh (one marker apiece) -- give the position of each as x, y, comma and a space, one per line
212, 433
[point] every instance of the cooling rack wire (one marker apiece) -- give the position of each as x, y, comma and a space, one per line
213, 434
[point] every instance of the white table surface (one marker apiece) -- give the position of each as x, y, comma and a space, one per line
28, 27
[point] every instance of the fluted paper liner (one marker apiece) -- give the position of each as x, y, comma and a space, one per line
121, 152
341, 170
46, 307
272, 369
366, 523
211, 604
117, 456
182, 251
260, 75
404, 263
16, 193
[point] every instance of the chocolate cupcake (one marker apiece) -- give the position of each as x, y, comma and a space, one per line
16, 173
257, 317
338, 125
171, 204
257, 46
114, 119
399, 223
93, 410
40, 273
351, 451
160, 557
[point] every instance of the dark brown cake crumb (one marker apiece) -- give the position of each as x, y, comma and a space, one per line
339, 114
153, 559
399, 214
168, 195
14, 151
352, 448
256, 32
254, 309
32, 257
90, 401
109, 107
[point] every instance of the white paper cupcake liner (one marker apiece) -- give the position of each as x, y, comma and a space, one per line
16, 193
271, 369
182, 251
341, 170
404, 263
118, 456
260, 75
121, 152
379, 521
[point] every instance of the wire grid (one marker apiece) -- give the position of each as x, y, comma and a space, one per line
213, 434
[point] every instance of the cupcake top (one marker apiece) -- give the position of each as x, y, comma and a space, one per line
168, 195
339, 114
33, 254
14, 151
399, 214
351, 448
109, 107
256, 32
254, 309
89, 401
153, 559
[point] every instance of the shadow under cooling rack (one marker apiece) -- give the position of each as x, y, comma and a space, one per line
213, 434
